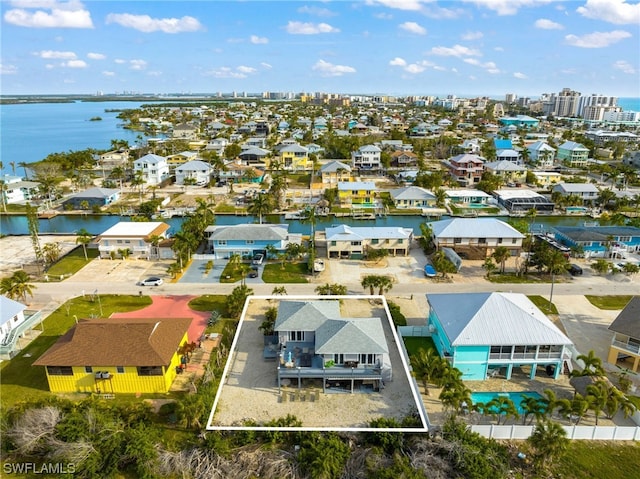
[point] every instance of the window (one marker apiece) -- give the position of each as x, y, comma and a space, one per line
296, 335
356, 243
499, 240
400, 241
624, 239
222, 242
120, 369
338, 358
250, 241
88, 369
367, 358
60, 370
482, 240
374, 241
514, 240
333, 243
149, 370
457, 240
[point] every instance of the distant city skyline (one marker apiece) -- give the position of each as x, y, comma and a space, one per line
395, 47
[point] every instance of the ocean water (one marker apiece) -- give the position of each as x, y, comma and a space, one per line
629, 104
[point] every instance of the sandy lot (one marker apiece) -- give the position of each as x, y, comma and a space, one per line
250, 390
16, 251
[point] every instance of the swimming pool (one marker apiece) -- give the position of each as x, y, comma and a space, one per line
516, 397
576, 209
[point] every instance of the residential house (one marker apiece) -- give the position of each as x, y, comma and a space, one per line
135, 236
600, 241
572, 154
588, 192
235, 172
295, 157
217, 144
487, 334
412, 197
117, 355
154, 168
476, 238
465, 197
316, 341
508, 171
254, 155
17, 191
314, 149
181, 158
194, 172
510, 155
12, 319
334, 172
625, 344
601, 137
113, 159
632, 158
248, 240
466, 169
257, 142
353, 242
472, 146
185, 131
522, 121
360, 194
547, 178
403, 159
521, 200
541, 154
367, 158
91, 198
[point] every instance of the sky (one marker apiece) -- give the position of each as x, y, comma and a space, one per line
395, 47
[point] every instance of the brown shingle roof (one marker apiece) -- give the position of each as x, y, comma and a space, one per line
117, 341
628, 321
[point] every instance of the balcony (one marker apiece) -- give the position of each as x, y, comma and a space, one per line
630, 348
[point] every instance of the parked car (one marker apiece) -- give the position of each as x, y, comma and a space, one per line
253, 274
151, 281
575, 270
257, 259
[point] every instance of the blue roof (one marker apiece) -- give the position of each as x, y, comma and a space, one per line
503, 144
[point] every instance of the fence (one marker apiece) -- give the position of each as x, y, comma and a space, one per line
594, 433
412, 331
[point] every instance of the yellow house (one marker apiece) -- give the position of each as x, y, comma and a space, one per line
547, 178
117, 355
181, 158
295, 157
359, 193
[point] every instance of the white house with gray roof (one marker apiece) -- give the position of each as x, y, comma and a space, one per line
334, 172
11, 316
476, 238
194, 172
413, 197
247, 240
353, 242
154, 168
367, 157
487, 334
588, 192
316, 342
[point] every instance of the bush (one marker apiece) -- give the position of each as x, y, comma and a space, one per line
398, 318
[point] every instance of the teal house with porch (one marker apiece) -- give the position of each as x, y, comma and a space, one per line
496, 334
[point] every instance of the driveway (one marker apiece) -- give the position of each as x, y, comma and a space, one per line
196, 272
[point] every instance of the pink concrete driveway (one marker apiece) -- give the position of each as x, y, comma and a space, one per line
172, 307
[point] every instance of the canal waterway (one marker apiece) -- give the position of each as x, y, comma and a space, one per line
96, 224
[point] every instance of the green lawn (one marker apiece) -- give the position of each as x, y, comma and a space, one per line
71, 263
291, 273
543, 304
595, 460
609, 302
20, 381
233, 273
414, 344
511, 277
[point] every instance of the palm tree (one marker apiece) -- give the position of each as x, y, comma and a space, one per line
24, 165
555, 263
384, 284
597, 395
261, 204
370, 281
427, 365
501, 254
17, 286
3, 198
549, 441
592, 365
328, 289
532, 407
154, 241
441, 196
83, 237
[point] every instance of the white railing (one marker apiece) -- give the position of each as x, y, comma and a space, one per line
593, 433
412, 331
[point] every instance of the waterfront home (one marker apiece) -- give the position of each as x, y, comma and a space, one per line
467, 197
357, 193
181, 158
253, 155
113, 159
547, 178
403, 159
466, 169
195, 172
137, 238
17, 191
600, 241
413, 197
541, 154
489, 334
353, 242
316, 342
154, 168
508, 171
521, 200
93, 197
334, 172
367, 157
625, 344
185, 131
235, 172
247, 240
476, 238
588, 192
11, 318
117, 355
572, 154
295, 157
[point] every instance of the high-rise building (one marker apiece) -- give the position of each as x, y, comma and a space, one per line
510, 98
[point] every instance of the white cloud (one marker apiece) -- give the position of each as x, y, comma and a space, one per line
256, 40
303, 28
546, 24
472, 36
137, 64
75, 64
317, 11
226, 72
49, 14
612, 11
597, 39
413, 5
413, 27
245, 69
489, 66
507, 7
520, 76
327, 69
146, 24
383, 16
53, 54
398, 62
120, 61
456, 51
108, 73
266, 65
624, 67
96, 56
8, 69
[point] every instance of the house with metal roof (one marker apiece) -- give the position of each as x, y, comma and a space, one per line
625, 344
476, 238
247, 240
136, 237
92, 197
464, 196
572, 154
11, 318
588, 192
541, 154
466, 168
117, 355
335, 171
154, 168
195, 172
487, 334
353, 242
600, 241
367, 157
295, 157
509, 171
411, 197
360, 194
316, 342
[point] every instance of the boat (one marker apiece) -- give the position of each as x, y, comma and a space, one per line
430, 271
294, 215
318, 265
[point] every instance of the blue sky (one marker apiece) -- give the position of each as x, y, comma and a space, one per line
401, 47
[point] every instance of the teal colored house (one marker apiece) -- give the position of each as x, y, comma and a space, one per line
247, 240
600, 241
489, 334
